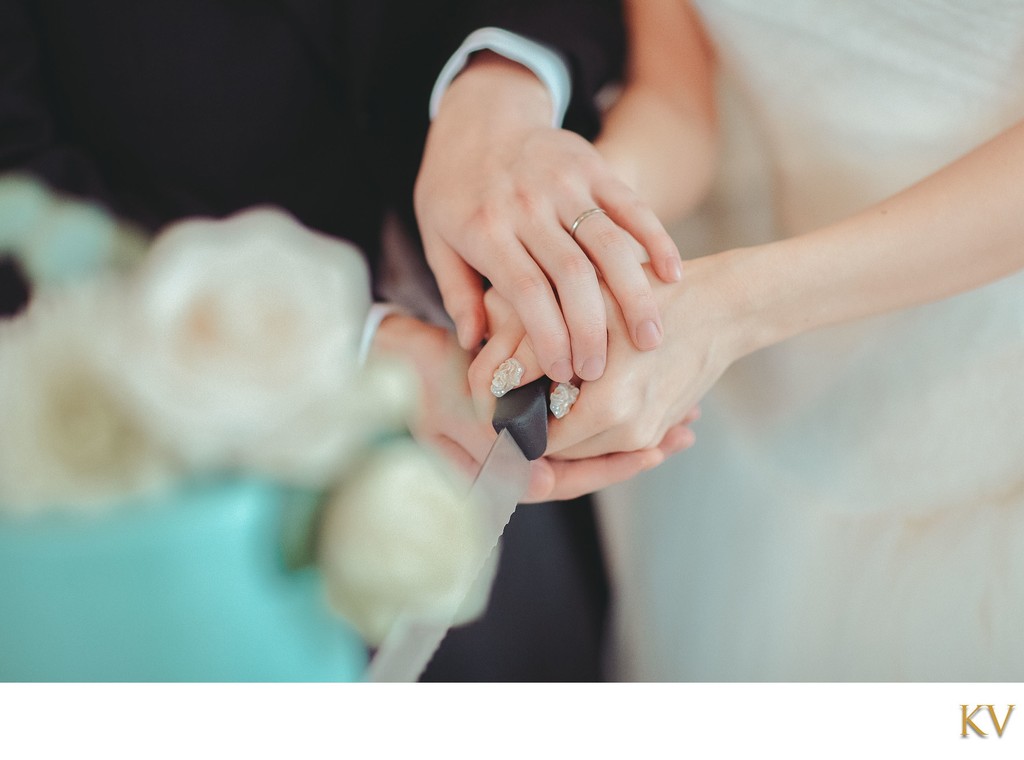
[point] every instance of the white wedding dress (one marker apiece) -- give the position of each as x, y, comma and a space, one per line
854, 506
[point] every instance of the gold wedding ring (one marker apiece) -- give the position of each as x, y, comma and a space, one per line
581, 217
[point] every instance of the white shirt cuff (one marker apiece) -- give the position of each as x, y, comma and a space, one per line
377, 314
549, 67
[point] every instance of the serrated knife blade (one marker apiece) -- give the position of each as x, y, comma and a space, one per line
521, 420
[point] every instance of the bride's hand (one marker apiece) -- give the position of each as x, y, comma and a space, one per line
497, 194
446, 418
643, 396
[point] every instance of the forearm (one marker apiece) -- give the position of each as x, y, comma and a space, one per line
958, 229
661, 135
664, 152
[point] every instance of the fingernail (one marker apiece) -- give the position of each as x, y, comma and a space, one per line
561, 371
460, 333
675, 270
648, 335
507, 376
562, 398
592, 368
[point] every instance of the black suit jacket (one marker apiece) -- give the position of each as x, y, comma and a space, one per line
168, 108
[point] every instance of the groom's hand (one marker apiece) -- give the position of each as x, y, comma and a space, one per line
498, 191
446, 419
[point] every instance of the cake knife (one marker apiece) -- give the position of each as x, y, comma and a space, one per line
521, 421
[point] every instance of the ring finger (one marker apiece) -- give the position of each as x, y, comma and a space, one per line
575, 278
619, 259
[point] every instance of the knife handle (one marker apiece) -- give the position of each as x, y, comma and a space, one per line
524, 413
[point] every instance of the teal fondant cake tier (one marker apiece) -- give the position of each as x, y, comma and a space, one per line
189, 586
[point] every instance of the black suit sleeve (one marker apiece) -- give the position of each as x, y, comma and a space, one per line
588, 33
31, 139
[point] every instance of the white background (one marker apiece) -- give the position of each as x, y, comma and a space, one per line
571, 721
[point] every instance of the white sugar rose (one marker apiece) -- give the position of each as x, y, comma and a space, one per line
401, 537
68, 439
319, 441
243, 344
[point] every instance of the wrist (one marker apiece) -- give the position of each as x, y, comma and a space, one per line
771, 296
408, 338
501, 90
391, 335
720, 295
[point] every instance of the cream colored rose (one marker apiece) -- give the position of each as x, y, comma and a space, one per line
241, 348
68, 439
401, 537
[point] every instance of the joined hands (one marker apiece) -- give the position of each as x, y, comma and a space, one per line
449, 423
